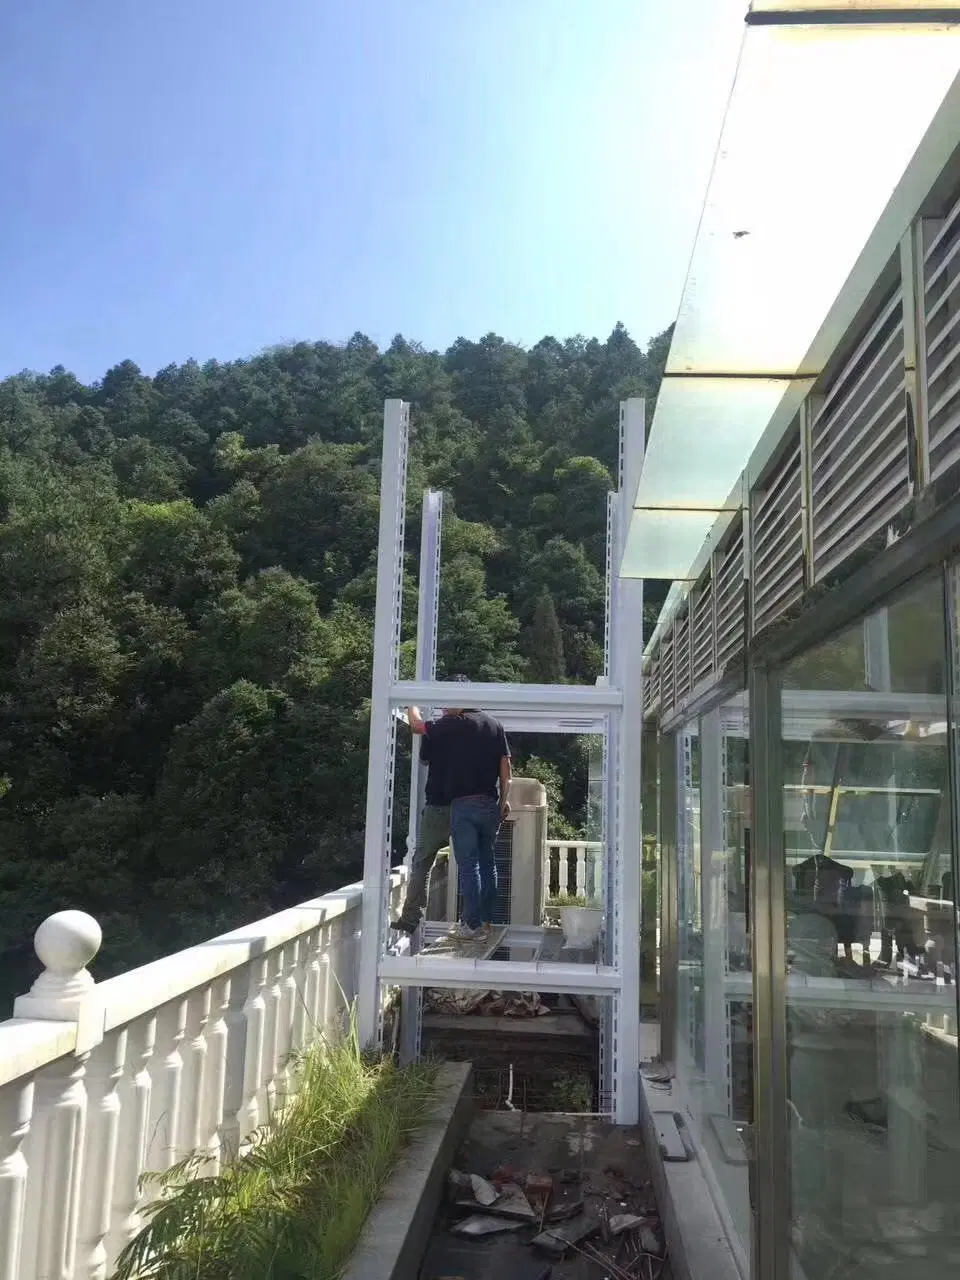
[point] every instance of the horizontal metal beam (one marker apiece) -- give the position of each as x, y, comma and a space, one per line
499, 975
537, 721
561, 699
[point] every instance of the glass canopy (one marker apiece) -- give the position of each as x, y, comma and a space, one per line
822, 124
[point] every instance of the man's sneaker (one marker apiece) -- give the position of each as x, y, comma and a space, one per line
464, 933
401, 926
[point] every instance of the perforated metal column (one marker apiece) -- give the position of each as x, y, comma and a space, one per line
383, 725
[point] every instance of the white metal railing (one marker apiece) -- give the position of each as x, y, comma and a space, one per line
573, 867
100, 1083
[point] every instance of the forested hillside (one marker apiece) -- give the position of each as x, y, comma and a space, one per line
187, 573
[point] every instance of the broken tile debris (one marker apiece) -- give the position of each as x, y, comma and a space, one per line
621, 1222
510, 1200
484, 1225
571, 1199
557, 1242
484, 1192
507, 1004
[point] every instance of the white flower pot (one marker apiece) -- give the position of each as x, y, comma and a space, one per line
581, 925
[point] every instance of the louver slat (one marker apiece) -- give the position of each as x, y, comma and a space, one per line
682, 655
859, 445
651, 685
667, 692
702, 613
731, 597
942, 328
776, 558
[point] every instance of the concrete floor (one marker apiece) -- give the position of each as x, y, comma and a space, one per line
587, 1158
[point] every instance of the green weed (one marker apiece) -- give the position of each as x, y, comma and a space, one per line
291, 1206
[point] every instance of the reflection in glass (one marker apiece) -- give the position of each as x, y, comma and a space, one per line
689, 906
715, 1034
873, 1107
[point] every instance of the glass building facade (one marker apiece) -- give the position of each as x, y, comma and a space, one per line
803, 688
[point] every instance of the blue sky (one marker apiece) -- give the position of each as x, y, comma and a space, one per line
208, 177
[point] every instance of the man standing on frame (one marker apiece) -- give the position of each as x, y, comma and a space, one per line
477, 770
433, 835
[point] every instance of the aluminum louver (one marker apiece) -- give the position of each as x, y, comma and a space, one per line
859, 446
941, 274
651, 684
702, 613
731, 601
667, 691
682, 655
776, 537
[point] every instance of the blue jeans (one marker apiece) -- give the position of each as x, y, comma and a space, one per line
474, 822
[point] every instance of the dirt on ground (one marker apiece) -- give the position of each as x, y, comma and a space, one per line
563, 1197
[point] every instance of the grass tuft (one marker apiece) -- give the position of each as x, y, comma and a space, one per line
292, 1206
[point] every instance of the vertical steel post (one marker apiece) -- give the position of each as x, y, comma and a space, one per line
771, 1138
380, 764
626, 669
428, 607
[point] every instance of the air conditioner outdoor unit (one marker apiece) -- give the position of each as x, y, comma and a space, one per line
520, 855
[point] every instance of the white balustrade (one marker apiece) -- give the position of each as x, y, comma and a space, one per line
107, 1062
101, 1083
573, 867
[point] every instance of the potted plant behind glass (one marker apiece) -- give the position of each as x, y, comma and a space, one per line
580, 918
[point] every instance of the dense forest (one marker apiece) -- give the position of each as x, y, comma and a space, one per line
187, 575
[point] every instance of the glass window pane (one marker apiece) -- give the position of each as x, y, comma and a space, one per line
873, 1110
689, 914
715, 1033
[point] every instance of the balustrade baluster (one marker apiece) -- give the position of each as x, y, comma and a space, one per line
581, 852
191, 1137
166, 1117
301, 1031
312, 982
237, 1040
286, 1012
55, 1158
104, 1073
271, 1037
16, 1108
251, 1116
564, 869
328, 979
135, 1089
212, 1101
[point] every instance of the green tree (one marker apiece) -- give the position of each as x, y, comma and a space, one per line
544, 644
187, 585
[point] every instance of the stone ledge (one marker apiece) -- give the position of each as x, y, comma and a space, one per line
696, 1238
398, 1229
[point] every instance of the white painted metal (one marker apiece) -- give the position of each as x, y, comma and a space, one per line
428, 616
380, 763
571, 708
626, 822
562, 700
428, 611
713, 859
180, 1056
499, 975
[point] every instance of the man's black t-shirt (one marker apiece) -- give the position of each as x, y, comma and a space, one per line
435, 791
471, 746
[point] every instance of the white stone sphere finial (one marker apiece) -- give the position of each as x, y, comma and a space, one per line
65, 944
67, 941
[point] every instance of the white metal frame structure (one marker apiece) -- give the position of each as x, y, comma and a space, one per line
612, 708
